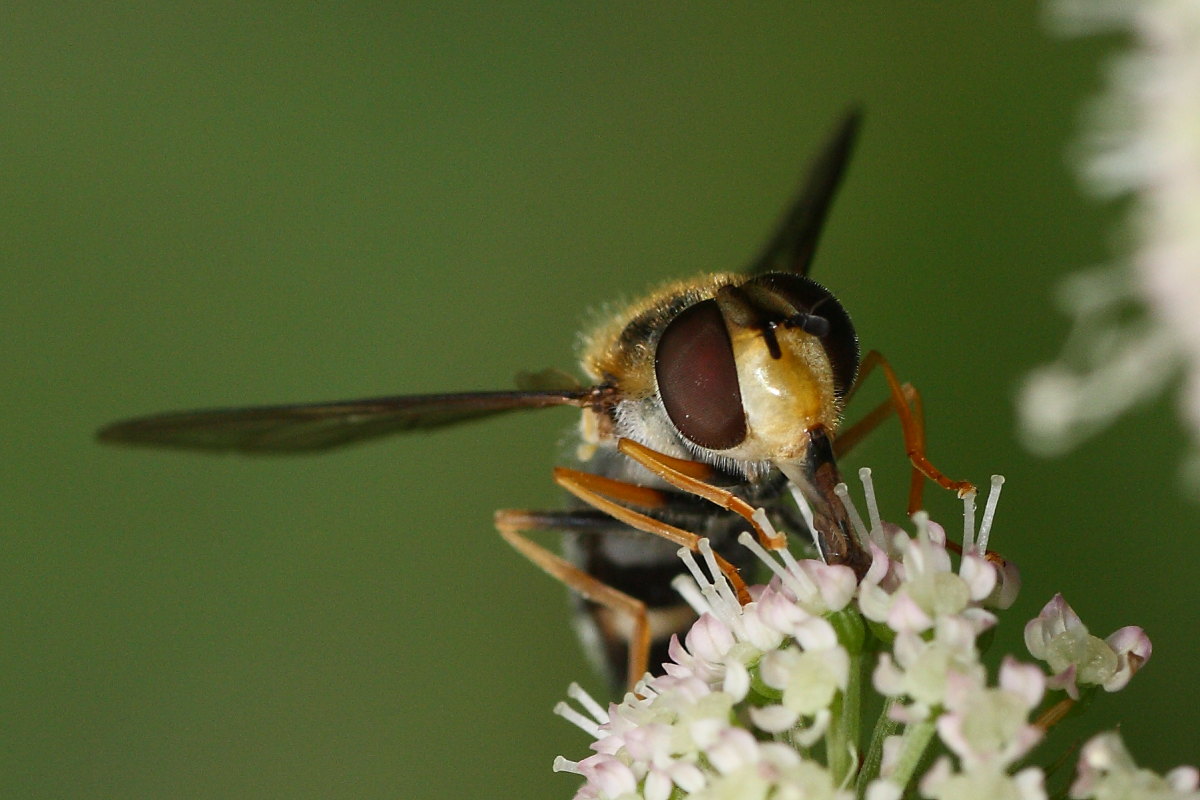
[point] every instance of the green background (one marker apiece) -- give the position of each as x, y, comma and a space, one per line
240, 203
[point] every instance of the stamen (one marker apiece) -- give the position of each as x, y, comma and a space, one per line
778, 540
843, 493
580, 695
572, 716
989, 512
921, 521
724, 590
562, 764
689, 560
719, 604
864, 475
795, 580
805, 512
968, 543
690, 593
725, 605
793, 567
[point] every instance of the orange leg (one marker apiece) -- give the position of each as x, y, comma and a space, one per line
595, 490
848, 438
906, 402
510, 522
672, 471
852, 435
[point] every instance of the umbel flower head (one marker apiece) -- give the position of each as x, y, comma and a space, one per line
764, 700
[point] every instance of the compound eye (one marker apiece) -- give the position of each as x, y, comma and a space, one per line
697, 378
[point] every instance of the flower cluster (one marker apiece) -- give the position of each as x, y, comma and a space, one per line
763, 700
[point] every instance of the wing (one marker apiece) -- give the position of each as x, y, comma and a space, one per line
791, 247
312, 427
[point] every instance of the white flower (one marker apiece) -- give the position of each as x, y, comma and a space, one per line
681, 732
754, 691
808, 679
990, 727
919, 584
921, 671
1075, 657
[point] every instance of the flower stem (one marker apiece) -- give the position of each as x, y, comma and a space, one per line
885, 726
1055, 714
912, 748
841, 739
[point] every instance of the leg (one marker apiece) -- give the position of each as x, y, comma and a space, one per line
595, 490
511, 522
909, 410
851, 436
848, 438
672, 470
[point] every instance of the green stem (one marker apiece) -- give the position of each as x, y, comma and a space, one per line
912, 748
885, 726
841, 739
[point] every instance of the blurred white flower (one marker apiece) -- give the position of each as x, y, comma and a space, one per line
1136, 325
992, 782
1107, 772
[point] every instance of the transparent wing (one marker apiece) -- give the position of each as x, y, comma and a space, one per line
794, 242
312, 427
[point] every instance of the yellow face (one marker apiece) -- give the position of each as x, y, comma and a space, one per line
783, 397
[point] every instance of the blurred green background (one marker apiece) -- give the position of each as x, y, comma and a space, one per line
226, 204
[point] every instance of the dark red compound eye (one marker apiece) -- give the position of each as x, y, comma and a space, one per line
697, 378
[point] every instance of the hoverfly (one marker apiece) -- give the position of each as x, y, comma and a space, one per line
727, 389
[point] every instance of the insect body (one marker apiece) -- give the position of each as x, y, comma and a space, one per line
727, 390
741, 378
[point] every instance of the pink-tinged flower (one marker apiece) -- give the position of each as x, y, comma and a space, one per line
773, 616
814, 586
990, 726
924, 585
607, 778
921, 671
1008, 585
655, 742
709, 639
754, 691
1058, 636
1107, 772
1133, 648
